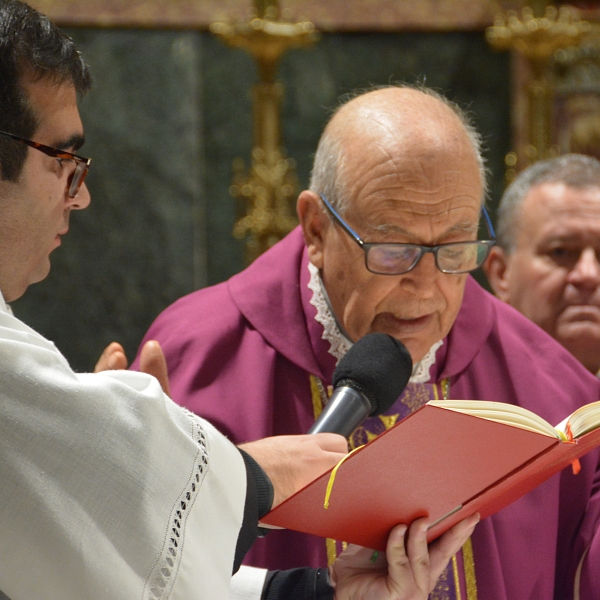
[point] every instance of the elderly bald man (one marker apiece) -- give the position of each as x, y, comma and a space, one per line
547, 262
387, 236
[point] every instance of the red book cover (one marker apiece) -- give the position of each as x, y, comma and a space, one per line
437, 463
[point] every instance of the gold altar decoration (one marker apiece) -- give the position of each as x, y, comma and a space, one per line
266, 193
537, 35
327, 15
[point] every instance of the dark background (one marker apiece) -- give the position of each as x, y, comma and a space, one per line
168, 114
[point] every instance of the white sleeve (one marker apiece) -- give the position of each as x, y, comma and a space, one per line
108, 489
248, 583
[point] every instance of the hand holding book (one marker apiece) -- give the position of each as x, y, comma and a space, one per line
447, 460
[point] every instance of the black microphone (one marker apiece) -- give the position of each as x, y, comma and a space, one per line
367, 381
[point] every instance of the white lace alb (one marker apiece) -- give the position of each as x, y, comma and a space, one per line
339, 343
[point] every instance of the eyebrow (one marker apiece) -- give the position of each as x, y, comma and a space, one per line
464, 226
74, 143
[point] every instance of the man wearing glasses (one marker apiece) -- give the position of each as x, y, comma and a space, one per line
387, 238
108, 490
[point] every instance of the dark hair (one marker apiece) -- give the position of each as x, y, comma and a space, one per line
30, 47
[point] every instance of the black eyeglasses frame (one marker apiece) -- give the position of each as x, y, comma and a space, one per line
366, 246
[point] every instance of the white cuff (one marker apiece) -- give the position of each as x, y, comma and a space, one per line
247, 584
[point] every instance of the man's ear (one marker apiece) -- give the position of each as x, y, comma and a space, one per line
314, 223
496, 269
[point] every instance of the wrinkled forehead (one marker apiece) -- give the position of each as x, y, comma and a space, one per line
430, 176
424, 154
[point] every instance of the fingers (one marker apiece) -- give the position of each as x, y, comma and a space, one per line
293, 461
411, 559
408, 557
449, 544
112, 359
152, 361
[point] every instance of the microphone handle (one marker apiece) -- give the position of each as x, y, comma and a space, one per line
346, 410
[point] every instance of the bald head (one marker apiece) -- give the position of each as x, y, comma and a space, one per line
405, 168
399, 121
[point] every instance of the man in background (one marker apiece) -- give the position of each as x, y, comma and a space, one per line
108, 489
547, 261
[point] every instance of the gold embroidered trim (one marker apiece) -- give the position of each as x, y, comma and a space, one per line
469, 562
317, 391
331, 550
445, 384
456, 577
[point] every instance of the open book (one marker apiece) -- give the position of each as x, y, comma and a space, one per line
582, 421
447, 460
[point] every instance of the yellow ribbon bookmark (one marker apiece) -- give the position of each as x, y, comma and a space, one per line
332, 477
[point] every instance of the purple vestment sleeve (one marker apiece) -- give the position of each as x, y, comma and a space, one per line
588, 542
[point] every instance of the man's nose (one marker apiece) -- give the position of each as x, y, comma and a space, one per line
423, 276
81, 201
586, 270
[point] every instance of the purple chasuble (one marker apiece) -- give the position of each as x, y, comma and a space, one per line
241, 353
452, 584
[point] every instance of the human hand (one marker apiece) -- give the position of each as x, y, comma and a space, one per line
152, 361
408, 571
293, 461
112, 359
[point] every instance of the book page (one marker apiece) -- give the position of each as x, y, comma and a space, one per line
583, 420
509, 414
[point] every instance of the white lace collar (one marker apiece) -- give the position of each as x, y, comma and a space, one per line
339, 343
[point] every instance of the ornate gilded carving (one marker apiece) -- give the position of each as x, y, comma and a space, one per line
267, 191
538, 34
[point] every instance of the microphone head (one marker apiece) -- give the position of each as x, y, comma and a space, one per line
378, 366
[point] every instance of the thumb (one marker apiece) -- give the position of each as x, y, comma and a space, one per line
152, 361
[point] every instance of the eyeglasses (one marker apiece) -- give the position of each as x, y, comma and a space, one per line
82, 165
396, 259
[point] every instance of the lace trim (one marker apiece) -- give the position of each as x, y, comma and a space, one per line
161, 578
420, 372
340, 344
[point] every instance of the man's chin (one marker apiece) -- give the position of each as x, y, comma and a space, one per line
585, 331
582, 340
40, 273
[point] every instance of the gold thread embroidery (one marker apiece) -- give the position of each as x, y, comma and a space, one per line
415, 396
389, 420
436, 396
317, 393
469, 565
446, 388
441, 591
456, 578
331, 551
